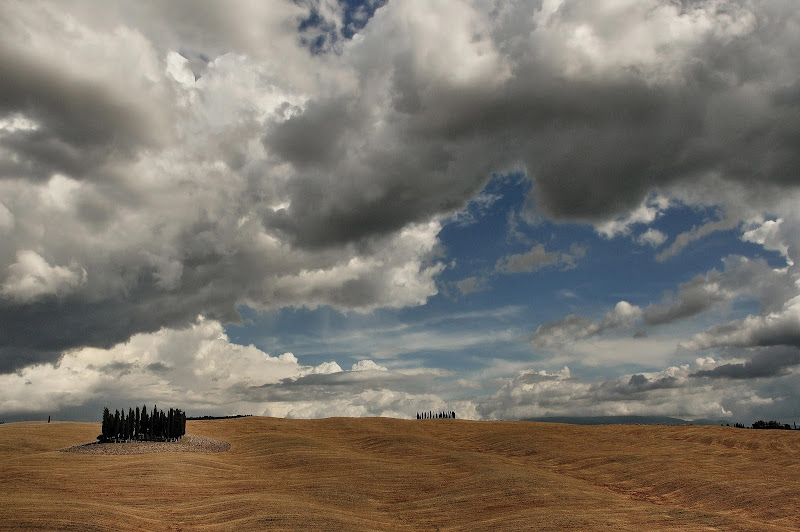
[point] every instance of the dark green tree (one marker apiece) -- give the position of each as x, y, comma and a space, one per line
145, 423
158, 425
107, 425
115, 431
136, 423
129, 426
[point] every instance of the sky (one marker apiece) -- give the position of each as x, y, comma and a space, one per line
509, 209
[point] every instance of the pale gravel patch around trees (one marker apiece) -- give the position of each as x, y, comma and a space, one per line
188, 444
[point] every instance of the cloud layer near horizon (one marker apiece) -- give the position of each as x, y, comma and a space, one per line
200, 369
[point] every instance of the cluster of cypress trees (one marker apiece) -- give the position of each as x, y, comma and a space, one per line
141, 426
444, 414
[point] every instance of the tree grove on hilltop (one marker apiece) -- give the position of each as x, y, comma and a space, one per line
141, 426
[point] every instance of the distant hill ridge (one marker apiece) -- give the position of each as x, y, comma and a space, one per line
623, 420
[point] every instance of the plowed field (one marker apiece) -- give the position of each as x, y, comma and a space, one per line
388, 474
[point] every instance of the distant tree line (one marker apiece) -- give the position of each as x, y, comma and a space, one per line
436, 415
139, 425
761, 424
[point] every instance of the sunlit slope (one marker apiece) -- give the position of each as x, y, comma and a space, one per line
385, 474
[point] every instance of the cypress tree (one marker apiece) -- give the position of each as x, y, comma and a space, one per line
130, 423
159, 425
107, 422
115, 432
136, 423
144, 422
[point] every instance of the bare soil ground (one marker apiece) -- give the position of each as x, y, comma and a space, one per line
388, 474
188, 444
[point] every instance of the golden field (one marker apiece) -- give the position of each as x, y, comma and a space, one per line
390, 474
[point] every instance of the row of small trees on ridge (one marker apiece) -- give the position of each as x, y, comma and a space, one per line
772, 424
140, 426
444, 414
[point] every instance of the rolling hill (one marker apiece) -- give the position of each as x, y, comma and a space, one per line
390, 474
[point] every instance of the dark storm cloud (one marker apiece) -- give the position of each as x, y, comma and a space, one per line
40, 332
315, 137
771, 362
81, 125
14, 356
52, 324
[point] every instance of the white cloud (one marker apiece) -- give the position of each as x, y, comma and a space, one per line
644, 214
696, 233
200, 370
367, 365
32, 277
775, 328
741, 278
652, 237
196, 367
768, 233
669, 392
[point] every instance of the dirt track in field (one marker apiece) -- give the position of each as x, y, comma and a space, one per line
389, 474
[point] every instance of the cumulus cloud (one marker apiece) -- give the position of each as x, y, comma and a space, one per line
775, 328
645, 214
769, 362
740, 277
31, 277
776, 289
280, 164
202, 370
768, 233
367, 365
669, 392
573, 327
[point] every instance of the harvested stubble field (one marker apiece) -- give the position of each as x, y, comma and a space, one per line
389, 474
